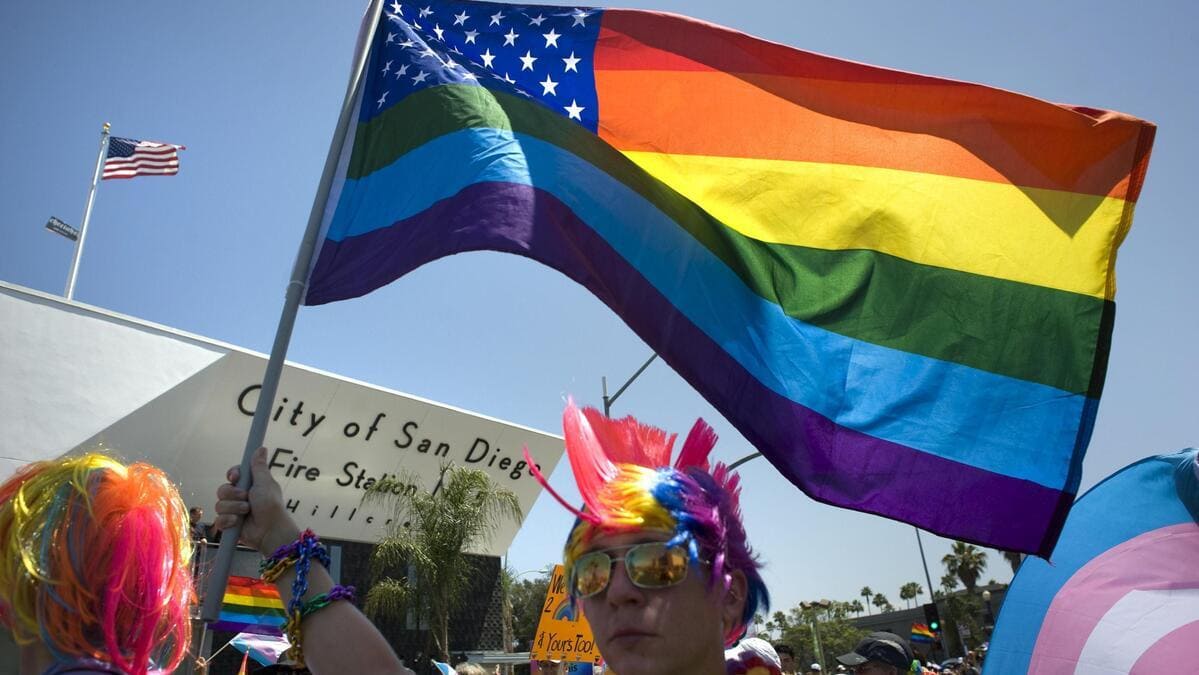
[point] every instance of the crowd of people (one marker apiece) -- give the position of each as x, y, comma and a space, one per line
96, 573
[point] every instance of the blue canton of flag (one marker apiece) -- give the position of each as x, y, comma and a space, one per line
540, 52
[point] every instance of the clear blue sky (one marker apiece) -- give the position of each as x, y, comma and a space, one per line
253, 90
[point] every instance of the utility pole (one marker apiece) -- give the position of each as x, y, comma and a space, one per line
809, 608
609, 400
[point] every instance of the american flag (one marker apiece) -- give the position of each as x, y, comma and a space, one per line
128, 157
539, 52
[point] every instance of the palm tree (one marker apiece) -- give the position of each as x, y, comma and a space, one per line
948, 583
855, 607
868, 594
881, 601
910, 591
966, 562
1013, 558
421, 563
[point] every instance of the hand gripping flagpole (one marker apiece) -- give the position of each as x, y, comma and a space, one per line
211, 608
87, 213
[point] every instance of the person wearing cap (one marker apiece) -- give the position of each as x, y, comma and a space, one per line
658, 556
752, 656
879, 654
814, 669
786, 658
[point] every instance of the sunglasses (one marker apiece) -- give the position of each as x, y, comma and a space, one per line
650, 565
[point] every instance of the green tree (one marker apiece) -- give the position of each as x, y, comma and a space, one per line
966, 562
881, 601
868, 595
837, 634
965, 609
856, 607
419, 565
948, 584
528, 598
910, 591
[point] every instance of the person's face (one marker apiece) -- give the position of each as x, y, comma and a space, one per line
787, 663
679, 629
195, 515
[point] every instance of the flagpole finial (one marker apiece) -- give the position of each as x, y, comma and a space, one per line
107, 126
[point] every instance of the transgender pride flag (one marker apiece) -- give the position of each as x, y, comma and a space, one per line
899, 288
1121, 592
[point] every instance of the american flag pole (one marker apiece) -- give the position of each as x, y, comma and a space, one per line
218, 578
87, 212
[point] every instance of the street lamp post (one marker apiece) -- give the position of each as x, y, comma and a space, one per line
990, 617
813, 605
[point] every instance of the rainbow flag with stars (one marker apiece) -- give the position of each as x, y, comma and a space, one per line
899, 288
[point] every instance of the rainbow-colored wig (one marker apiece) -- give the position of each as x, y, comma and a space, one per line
95, 562
624, 473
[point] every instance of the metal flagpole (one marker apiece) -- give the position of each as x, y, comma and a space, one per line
287, 319
87, 212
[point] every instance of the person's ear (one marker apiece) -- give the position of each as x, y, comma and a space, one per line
732, 605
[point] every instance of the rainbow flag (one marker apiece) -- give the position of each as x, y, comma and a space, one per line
923, 634
897, 287
250, 606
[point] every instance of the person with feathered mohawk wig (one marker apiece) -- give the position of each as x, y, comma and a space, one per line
95, 567
689, 583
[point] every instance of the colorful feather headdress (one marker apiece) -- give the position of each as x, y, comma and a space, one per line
624, 473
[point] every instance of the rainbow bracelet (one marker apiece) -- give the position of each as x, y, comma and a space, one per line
324, 599
299, 554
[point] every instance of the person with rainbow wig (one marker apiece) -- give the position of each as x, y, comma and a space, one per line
94, 567
658, 556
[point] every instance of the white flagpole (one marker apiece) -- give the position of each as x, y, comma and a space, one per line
211, 609
87, 213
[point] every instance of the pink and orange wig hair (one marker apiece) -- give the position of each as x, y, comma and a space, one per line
95, 562
624, 473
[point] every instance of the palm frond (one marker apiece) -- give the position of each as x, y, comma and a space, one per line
390, 598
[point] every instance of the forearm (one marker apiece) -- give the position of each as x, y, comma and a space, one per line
337, 639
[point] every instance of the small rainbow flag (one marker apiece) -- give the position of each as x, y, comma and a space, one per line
251, 605
923, 634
